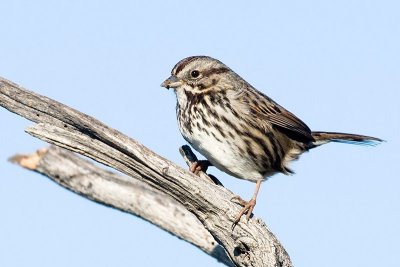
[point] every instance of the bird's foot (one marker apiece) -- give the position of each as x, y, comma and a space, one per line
200, 166
248, 207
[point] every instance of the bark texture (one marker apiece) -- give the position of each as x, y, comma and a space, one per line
123, 193
248, 244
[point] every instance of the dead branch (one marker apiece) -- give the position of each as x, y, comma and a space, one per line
123, 193
249, 244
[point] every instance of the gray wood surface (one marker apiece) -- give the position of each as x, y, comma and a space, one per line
248, 244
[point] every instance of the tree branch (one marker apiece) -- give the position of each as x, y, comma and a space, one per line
122, 193
249, 244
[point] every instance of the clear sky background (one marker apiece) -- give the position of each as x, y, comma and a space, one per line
335, 64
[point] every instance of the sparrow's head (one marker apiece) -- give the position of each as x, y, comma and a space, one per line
199, 74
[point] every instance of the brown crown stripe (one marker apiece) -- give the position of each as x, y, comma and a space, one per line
182, 64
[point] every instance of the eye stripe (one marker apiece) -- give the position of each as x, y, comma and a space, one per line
183, 63
215, 71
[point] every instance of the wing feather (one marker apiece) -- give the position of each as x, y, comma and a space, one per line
268, 113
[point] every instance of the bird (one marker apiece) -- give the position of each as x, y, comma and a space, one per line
237, 128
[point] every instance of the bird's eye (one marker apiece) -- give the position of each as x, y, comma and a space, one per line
195, 73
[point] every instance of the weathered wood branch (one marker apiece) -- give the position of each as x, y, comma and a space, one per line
249, 244
122, 193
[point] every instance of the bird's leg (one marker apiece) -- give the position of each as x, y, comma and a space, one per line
248, 206
200, 165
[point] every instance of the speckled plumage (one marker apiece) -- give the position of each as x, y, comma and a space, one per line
237, 128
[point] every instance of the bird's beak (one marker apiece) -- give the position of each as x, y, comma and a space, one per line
171, 82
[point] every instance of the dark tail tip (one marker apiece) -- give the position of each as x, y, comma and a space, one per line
356, 139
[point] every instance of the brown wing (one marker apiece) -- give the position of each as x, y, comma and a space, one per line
266, 111
290, 124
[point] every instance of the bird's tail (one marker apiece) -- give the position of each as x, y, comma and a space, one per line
326, 137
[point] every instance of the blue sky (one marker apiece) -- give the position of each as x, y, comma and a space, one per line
335, 64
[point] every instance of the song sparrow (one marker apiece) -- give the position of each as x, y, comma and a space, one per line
237, 128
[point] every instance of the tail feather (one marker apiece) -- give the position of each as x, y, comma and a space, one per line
326, 137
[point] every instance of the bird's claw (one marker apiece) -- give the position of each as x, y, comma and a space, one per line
239, 200
200, 166
248, 207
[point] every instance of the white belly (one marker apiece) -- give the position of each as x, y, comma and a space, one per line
224, 155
